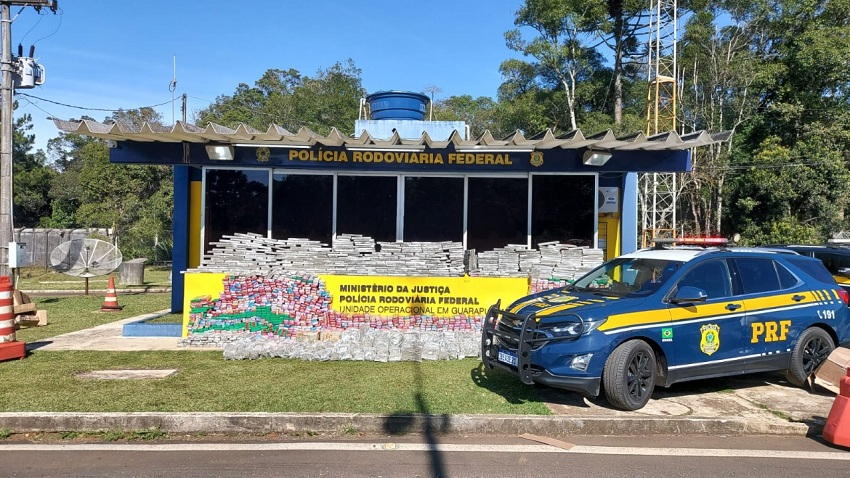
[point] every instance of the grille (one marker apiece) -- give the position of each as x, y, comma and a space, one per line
510, 326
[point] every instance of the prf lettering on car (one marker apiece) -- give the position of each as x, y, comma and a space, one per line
770, 331
668, 314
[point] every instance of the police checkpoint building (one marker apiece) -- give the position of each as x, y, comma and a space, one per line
405, 224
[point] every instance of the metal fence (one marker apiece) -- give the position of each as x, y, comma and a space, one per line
40, 242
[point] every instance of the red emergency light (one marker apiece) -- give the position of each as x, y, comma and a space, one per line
693, 241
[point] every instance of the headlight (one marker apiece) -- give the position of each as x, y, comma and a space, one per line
564, 330
590, 326
571, 328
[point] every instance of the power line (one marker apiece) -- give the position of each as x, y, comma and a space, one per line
49, 114
111, 110
56, 30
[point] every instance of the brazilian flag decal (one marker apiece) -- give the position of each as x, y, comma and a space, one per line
667, 334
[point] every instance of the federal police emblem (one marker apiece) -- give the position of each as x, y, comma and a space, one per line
536, 159
710, 341
263, 154
560, 299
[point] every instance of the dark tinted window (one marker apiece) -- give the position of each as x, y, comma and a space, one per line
433, 209
815, 269
237, 201
367, 205
556, 218
786, 278
833, 260
757, 275
712, 277
498, 213
302, 206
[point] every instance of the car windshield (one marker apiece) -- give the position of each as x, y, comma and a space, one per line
628, 275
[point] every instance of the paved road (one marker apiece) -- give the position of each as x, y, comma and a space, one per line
694, 457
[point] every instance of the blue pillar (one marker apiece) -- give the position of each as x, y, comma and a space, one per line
629, 215
180, 236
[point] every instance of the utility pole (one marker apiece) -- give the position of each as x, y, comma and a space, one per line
7, 87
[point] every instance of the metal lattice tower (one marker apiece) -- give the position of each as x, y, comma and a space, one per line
658, 192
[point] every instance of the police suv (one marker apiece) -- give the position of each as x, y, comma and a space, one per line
835, 256
665, 315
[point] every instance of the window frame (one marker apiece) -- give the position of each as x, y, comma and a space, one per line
399, 176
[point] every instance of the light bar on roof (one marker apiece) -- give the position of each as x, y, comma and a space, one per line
692, 241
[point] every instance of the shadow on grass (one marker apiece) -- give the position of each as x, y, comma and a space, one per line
429, 425
509, 386
504, 384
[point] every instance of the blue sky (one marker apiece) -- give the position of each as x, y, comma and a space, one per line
110, 54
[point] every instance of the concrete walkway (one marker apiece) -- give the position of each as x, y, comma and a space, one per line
108, 337
751, 404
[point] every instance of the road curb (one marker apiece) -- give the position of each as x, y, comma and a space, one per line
26, 422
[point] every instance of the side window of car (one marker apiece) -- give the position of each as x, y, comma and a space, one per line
787, 279
712, 277
830, 260
844, 260
815, 269
757, 274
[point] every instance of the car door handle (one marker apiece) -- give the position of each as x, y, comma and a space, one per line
733, 306
797, 297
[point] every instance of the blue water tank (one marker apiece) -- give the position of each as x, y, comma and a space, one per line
397, 105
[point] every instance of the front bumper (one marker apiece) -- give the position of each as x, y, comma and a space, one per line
493, 339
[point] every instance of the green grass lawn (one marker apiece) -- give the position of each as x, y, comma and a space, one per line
68, 314
205, 381
37, 278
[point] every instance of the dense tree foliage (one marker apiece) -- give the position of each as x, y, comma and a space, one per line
292, 100
773, 73
134, 202
31, 175
790, 151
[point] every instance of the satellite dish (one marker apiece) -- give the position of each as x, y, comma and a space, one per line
85, 258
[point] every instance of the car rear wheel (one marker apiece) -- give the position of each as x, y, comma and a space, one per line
813, 347
629, 375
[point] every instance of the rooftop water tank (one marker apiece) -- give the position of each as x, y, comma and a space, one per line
397, 105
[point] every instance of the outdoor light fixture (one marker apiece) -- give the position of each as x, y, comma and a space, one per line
595, 158
220, 152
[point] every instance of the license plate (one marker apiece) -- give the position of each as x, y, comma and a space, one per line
508, 357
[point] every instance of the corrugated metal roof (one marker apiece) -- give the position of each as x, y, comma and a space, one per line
277, 135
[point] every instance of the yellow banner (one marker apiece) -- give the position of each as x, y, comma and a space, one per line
224, 302
435, 296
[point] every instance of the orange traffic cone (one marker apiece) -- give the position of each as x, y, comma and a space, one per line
110, 302
837, 427
10, 347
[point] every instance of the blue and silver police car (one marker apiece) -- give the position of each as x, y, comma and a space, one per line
666, 315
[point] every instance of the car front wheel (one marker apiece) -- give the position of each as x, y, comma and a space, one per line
813, 347
629, 375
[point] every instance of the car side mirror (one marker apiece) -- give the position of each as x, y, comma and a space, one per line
689, 294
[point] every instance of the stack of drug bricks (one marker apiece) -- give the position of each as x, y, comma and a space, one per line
26, 312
